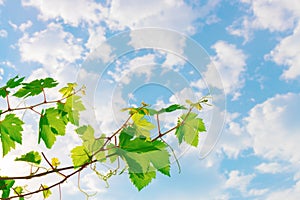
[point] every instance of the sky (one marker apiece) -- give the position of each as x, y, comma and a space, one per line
244, 53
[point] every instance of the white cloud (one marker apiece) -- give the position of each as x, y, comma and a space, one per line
1, 2
170, 14
292, 193
3, 33
71, 12
261, 16
238, 181
25, 25
230, 63
234, 138
274, 127
52, 47
287, 53
272, 168
138, 66
159, 39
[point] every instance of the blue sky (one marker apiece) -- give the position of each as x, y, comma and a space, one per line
250, 46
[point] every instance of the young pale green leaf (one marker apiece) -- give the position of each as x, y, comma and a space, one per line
10, 131
112, 152
172, 108
68, 90
46, 191
31, 157
18, 191
35, 87
5, 186
90, 143
71, 108
51, 124
80, 156
142, 125
189, 129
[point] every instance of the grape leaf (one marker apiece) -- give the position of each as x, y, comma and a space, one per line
11, 83
14, 82
35, 87
112, 152
3, 92
80, 156
31, 157
172, 108
142, 125
189, 129
18, 191
55, 162
5, 186
143, 157
141, 180
51, 124
90, 143
68, 90
71, 108
46, 191
10, 130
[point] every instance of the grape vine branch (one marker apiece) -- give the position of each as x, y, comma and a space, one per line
137, 147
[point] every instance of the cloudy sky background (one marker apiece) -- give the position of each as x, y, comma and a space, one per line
253, 44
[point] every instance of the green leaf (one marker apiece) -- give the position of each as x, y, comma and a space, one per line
143, 126
172, 108
138, 145
189, 129
143, 157
68, 90
3, 92
31, 157
46, 192
5, 186
80, 156
14, 82
35, 87
71, 108
18, 190
11, 83
51, 124
112, 152
10, 131
90, 143
141, 180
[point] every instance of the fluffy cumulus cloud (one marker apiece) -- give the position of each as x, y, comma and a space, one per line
230, 62
239, 181
171, 14
71, 12
51, 47
287, 53
274, 127
234, 138
262, 17
292, 193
